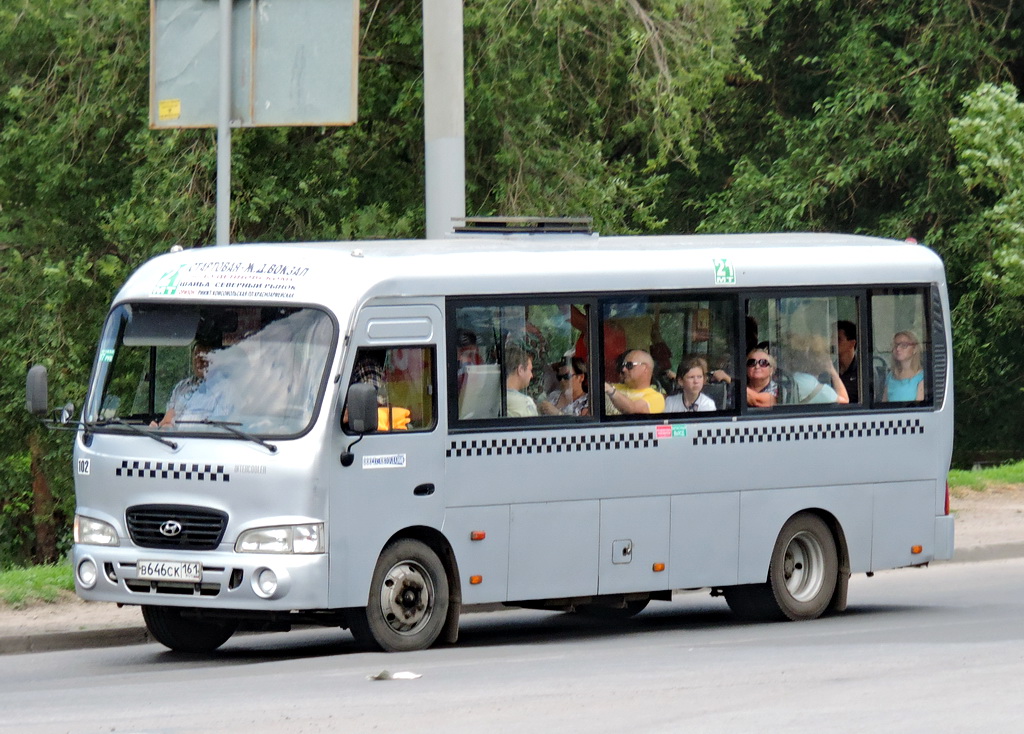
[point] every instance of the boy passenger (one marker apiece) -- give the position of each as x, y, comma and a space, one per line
690, 376
634, 395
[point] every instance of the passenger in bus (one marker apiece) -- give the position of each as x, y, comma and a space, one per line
572, 396
518, 375
809, 359
904, 382
634, 395
846, 353
690, 376
762, 390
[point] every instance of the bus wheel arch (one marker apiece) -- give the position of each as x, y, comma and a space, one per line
414, 598
837, 603
807, 573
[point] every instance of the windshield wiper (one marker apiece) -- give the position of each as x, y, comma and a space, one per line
231, 427
132, 427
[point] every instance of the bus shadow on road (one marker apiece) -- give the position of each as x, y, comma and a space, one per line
514, 626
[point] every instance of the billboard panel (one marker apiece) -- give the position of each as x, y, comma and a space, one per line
294, 62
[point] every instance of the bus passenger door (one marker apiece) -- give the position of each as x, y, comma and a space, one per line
395, 478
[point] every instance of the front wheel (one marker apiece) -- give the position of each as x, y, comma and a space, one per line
408, 601
174, 628
802, 575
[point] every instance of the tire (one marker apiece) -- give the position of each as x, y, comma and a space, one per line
181, 633
408, 601
802, 575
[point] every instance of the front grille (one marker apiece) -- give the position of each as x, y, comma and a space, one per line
201, 528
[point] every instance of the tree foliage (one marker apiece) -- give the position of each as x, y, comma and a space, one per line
895, 119
847, 128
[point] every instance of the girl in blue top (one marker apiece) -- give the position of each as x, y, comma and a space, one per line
904, 383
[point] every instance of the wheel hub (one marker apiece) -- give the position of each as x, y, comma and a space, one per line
406, 599
804, 566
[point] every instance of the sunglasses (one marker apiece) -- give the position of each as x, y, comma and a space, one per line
903, 345
630, 365
564, 376
758, 363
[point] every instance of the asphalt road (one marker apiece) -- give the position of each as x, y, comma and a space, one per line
920, 650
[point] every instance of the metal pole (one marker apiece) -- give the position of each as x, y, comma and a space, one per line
224, 128
444, 123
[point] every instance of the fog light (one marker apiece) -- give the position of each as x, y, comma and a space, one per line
87, 574
265, 583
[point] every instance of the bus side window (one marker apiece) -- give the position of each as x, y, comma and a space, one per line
508, 358
902, 350
404, 379
793, 356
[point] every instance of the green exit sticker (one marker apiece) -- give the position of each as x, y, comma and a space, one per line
724, 272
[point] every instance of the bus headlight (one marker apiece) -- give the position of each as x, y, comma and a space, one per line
282, 539
94, 532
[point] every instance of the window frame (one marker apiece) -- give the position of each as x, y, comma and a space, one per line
454, 303
725, 297
932, 336
434, 406
596, 302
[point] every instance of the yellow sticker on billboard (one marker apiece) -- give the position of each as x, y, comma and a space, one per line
169, 109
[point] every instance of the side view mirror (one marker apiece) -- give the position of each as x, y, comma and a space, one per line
36, 391
362, 408
360, 414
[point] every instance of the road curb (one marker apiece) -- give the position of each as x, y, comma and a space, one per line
997, 552
74, 640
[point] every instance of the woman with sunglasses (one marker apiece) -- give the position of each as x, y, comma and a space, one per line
904, 382
571, 397
762, 390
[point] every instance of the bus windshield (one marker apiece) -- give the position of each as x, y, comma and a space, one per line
223, 370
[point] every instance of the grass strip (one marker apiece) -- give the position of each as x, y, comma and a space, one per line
979, 480
20, 587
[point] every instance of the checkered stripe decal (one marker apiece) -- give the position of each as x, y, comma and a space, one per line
807, 432
171, 470
552, 444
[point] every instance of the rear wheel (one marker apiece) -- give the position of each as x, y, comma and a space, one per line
408, 601
802, 575
173, 627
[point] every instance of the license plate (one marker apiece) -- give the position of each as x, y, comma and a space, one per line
187, 571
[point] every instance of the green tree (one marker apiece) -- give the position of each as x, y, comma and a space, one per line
988, 138
572, 108
577, 108
845, 127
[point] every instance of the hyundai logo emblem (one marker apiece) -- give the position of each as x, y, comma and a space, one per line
170, 528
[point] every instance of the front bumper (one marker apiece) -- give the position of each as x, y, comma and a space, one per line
229, 579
